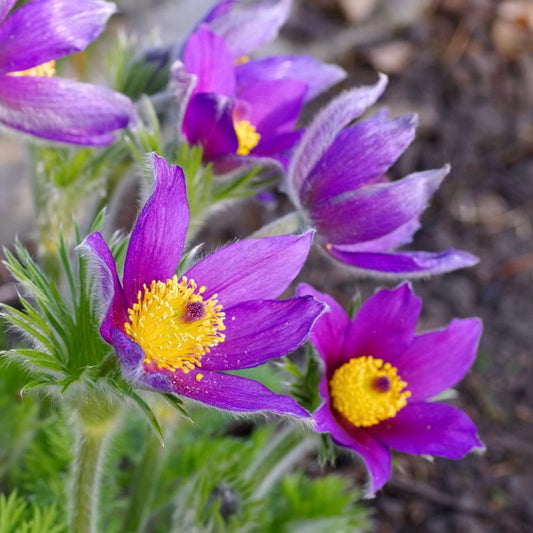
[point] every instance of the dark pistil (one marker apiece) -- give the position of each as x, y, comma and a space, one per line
382, 384
193, 311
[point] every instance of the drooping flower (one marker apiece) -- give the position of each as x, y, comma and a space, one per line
180, 333
35, 102
379, 377
241, 110
336, 179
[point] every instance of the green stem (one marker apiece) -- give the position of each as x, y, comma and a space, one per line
91, 444
146, 481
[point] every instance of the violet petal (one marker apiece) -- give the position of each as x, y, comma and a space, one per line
256, 331
274, 104
326, 125
405, 264
43, 30
375, 454
330, 329
110, 293
246, 28
438, 360
233, 393
316, 75
376, 210
385, 325
254, 269
5, 7
208, 122
207, 57
157, 240
63, 110
430, 428
358, 155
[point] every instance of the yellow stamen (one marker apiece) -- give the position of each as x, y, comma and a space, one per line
366, 391
241, 60
174, 325
46, 70
247, 135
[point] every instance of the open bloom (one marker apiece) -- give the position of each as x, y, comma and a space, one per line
240, 110
179, 333
336, 179
379, 376
32, 100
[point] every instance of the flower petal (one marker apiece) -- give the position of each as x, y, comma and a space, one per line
274, 105
5, 7
253, 269
330, 329
376, 456
182, 85
233, 393
130, 355
110, 291
63, 110
405, 264
322, 131
259, 330
208, 122
376, 210
157, 240
401, 235
43, 30
247, 27
429, 428
207, 56
358, 155
438, 360
385, 325
316, 75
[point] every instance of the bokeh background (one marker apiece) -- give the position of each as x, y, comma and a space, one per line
466, 67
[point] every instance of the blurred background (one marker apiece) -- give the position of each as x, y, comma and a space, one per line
466, 67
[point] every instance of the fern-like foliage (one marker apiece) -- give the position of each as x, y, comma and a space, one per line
17, 516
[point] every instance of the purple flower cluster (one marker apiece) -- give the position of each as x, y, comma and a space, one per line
242, 110
185, 332
35, 102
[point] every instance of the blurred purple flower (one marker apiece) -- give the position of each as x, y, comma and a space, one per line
379, 376
244, 111
34, 102
336, 178
180, 334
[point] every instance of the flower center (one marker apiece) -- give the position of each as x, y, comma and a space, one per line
366, 391
174, 325
46, 70
247, 136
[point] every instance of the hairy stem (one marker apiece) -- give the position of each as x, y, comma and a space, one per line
146, 481
91, 444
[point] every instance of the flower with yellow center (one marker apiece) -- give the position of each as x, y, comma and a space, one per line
247, 136
46, 70
365, 391
174, 325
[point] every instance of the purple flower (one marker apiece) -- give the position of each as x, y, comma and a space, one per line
244, 111
336, 178
379, 376
181, 333
32, 100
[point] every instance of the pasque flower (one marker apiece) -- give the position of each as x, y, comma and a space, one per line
379, 376
180, 333
336, 179
239, 109
32, 100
